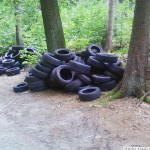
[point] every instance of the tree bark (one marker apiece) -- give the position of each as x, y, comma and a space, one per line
136, 67
19, 40
109, 34
52, 25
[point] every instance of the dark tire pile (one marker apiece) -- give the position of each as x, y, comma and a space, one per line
11, 62
87, 73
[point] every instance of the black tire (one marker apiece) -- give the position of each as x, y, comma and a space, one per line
16, 64
43, 68
48, 65
1, 59
82, 87
13, 71
93, 49
63, 54
8, 54
62, 75
15, 55
118, 63
36, 84
113, 76
21, 87
84, 54
8, 62
95, 63
39, 74
78, 53
16, 47
2, 70
109, 58
108, 86
78, 59
31, 78
89, 93
51, 59
84, 78
73, 86
79, 67
100, 78
30, 49
116, 69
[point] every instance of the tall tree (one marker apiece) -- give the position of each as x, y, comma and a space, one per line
109, 34
17, 5
52, 25
134, 81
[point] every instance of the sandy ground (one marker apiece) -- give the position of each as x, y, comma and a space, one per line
55, 120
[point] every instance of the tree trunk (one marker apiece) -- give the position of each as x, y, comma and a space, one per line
19, 40
52, 25
136, 67
109, 34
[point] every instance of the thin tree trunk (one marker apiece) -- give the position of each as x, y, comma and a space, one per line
19, 40
109, 34
52, 25
136, 67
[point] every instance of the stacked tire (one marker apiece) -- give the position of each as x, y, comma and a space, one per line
11, 62
87, 73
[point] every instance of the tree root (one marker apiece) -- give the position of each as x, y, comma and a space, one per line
109, 96
142, 98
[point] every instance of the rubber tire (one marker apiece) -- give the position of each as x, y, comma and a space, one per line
96, 47
39, 74
62, 75
16, 47
8, 62
13, 71
15, 55
16, 64
63, 54
43, 68
1, 59
79, 67
95, 63
100, 78
78, 59
48, 65
36, 84
2, 70
73, 86
31, 78
82, 87
84, 78
89, 93
104, 57
108, 86
48, 57
8, 54
116, 69
21, 87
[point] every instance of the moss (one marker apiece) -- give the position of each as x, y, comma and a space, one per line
147, 99
109, 96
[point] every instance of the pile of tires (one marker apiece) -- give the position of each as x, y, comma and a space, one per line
87, 73
11, 62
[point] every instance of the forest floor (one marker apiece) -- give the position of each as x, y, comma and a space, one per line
55, 120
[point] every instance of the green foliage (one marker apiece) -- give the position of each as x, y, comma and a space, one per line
32, 25
123, 23
30, 57
7, 27
84, 23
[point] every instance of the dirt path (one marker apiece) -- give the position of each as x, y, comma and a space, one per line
54, 120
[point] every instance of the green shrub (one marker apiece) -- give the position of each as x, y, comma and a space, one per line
84, 23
